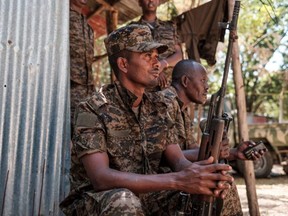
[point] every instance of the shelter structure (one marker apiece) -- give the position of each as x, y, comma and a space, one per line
97, 12
34, 98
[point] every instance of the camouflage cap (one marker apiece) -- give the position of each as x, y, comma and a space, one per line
134, 37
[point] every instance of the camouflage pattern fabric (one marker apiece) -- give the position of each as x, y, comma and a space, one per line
190, 142
81, 49
164, 32
81, 59
77, 94
106, 123
122, 201
231, 204
135, 38
112, 202
186, 132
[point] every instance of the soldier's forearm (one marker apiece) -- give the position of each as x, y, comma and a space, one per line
191, 154
233, 154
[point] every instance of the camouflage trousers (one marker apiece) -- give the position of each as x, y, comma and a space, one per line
231, 203
123, 202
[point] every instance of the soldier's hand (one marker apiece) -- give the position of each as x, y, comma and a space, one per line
222, 193
255, 155
162, 80
203, 177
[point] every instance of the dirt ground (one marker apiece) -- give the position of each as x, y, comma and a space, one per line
272, 193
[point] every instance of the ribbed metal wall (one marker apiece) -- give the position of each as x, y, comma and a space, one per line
34, 106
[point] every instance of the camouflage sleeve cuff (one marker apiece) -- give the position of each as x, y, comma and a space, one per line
91, 151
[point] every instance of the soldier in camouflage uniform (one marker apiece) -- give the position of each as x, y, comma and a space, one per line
81, 57
164, 32
189, 84
122, 134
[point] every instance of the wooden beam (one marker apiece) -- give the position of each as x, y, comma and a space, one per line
111, 25
105, 4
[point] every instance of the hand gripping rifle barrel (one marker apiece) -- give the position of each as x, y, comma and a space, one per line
215, 124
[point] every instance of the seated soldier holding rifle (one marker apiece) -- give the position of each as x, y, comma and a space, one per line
190, 85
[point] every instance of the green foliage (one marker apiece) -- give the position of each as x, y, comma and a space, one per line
269, 27
266, 95
261, 27
285, 106
167, 11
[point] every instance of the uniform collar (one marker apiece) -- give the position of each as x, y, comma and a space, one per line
151, 25
181, 104
127, 96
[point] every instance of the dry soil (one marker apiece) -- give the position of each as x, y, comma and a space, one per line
272, 193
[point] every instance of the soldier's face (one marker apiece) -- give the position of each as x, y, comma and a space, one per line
197, 88
143, 69
149, 5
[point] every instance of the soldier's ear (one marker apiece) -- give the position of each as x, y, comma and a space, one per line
184, 81
122, 64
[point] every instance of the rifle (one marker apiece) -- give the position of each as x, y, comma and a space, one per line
217, 123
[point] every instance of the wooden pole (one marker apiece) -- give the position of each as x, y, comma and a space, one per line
111, 25
111, 20
248, 167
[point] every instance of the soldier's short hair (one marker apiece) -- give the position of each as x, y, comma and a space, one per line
113, 60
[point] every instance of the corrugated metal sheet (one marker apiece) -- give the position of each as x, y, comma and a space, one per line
34, 106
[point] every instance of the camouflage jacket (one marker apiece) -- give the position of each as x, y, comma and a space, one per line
185, 132
81, 49
164, 32
134, 143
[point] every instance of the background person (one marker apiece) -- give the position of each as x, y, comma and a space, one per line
81, 38
164, 32
190, 85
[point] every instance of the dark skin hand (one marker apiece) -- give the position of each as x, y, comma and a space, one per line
194, 178
192, 155
237, 153
162, 80
222, 193
171, 60
201, 176
230, 154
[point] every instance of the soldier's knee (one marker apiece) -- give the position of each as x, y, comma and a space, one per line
126, 198
123, 201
